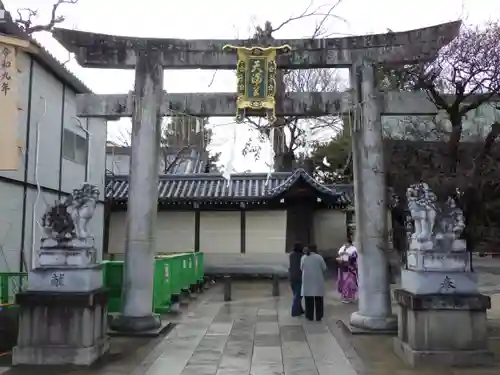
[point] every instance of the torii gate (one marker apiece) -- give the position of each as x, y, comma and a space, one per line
149, 57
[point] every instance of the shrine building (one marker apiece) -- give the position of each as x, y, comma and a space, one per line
245, 225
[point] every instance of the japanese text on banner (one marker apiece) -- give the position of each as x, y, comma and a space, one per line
9, 158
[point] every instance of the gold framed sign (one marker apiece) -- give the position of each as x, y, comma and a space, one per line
256, 80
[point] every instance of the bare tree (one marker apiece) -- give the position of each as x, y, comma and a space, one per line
467, 69
291, 134
26, 18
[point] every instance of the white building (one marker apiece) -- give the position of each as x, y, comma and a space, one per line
56, 152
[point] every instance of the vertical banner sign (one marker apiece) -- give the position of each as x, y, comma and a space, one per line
256, 80
9, 157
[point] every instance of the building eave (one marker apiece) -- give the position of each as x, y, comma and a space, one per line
41, 55
212, 187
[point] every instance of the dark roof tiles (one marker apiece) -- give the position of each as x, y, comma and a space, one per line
209, 186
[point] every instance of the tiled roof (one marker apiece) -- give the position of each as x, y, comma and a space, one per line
241, 187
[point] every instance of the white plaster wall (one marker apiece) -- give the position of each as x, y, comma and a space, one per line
265, 232
117, 231
10, 226
73, 174
220, 232
36, 204
175, 232
47, 96
97, 229
329, 230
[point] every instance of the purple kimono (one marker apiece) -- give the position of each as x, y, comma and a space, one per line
347, 280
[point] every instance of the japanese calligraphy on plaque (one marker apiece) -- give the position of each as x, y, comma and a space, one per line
9, 158
256, 80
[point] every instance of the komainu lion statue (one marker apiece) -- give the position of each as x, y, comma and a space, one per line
84, 204
422, 205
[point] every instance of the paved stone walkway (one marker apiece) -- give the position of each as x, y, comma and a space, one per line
255, 337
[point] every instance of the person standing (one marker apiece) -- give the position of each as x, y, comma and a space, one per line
295, 276
313, 267
347, 279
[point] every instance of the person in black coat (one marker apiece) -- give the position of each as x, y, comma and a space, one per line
295, 276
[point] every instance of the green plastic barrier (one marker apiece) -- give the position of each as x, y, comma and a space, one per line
11, 283
172, 274
113, 280
162, 294
191, 270
187, 270
176, 278
199, 265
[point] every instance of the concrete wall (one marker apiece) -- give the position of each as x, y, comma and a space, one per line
46, 107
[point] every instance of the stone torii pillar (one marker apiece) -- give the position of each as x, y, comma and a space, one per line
375, 310
142, 206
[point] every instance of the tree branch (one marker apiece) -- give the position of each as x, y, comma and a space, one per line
26, 18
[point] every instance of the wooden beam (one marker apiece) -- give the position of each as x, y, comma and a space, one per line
223, 104
243, 230
197, 223
118, 52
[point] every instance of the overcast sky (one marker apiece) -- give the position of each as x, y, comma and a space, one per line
204, 19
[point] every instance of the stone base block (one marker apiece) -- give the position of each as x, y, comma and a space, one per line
164, 327
348, 327
150, 325
61, 328
75, 253
66, 279
60, 355
442, 329
373, 323
442, 358
439, 282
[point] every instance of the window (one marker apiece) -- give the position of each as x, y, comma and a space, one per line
74, 147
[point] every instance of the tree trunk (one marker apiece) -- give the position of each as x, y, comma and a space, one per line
454, 142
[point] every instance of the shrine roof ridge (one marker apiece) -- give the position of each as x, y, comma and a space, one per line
241, 187
112, 51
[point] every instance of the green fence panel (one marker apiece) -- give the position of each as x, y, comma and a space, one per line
185, 273
11, 283
162, 293
176, 282
191, 270
199, 265
112, 275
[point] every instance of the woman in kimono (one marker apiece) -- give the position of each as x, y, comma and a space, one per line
347, 280
313, 283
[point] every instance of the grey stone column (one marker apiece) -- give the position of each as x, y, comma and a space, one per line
375, 310
142, 207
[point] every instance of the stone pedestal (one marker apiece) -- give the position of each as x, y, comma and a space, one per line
442, 316
63, 312
442, 329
